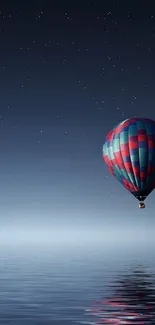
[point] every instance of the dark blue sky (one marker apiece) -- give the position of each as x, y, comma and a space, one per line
69, 72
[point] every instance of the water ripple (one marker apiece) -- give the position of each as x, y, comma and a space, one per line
64, 289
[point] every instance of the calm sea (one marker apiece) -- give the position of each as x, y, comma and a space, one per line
78, 285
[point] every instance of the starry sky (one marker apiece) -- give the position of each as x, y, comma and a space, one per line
69, 72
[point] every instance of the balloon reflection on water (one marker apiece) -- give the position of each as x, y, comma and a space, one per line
132, 303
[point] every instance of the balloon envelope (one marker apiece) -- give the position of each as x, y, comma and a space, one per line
129, 151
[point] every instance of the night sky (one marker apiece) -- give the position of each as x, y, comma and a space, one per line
69, 72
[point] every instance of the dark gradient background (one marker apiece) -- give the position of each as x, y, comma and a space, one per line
70, 71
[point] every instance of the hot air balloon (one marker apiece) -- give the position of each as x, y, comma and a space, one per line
129, 152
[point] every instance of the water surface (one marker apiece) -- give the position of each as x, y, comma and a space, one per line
60, 285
